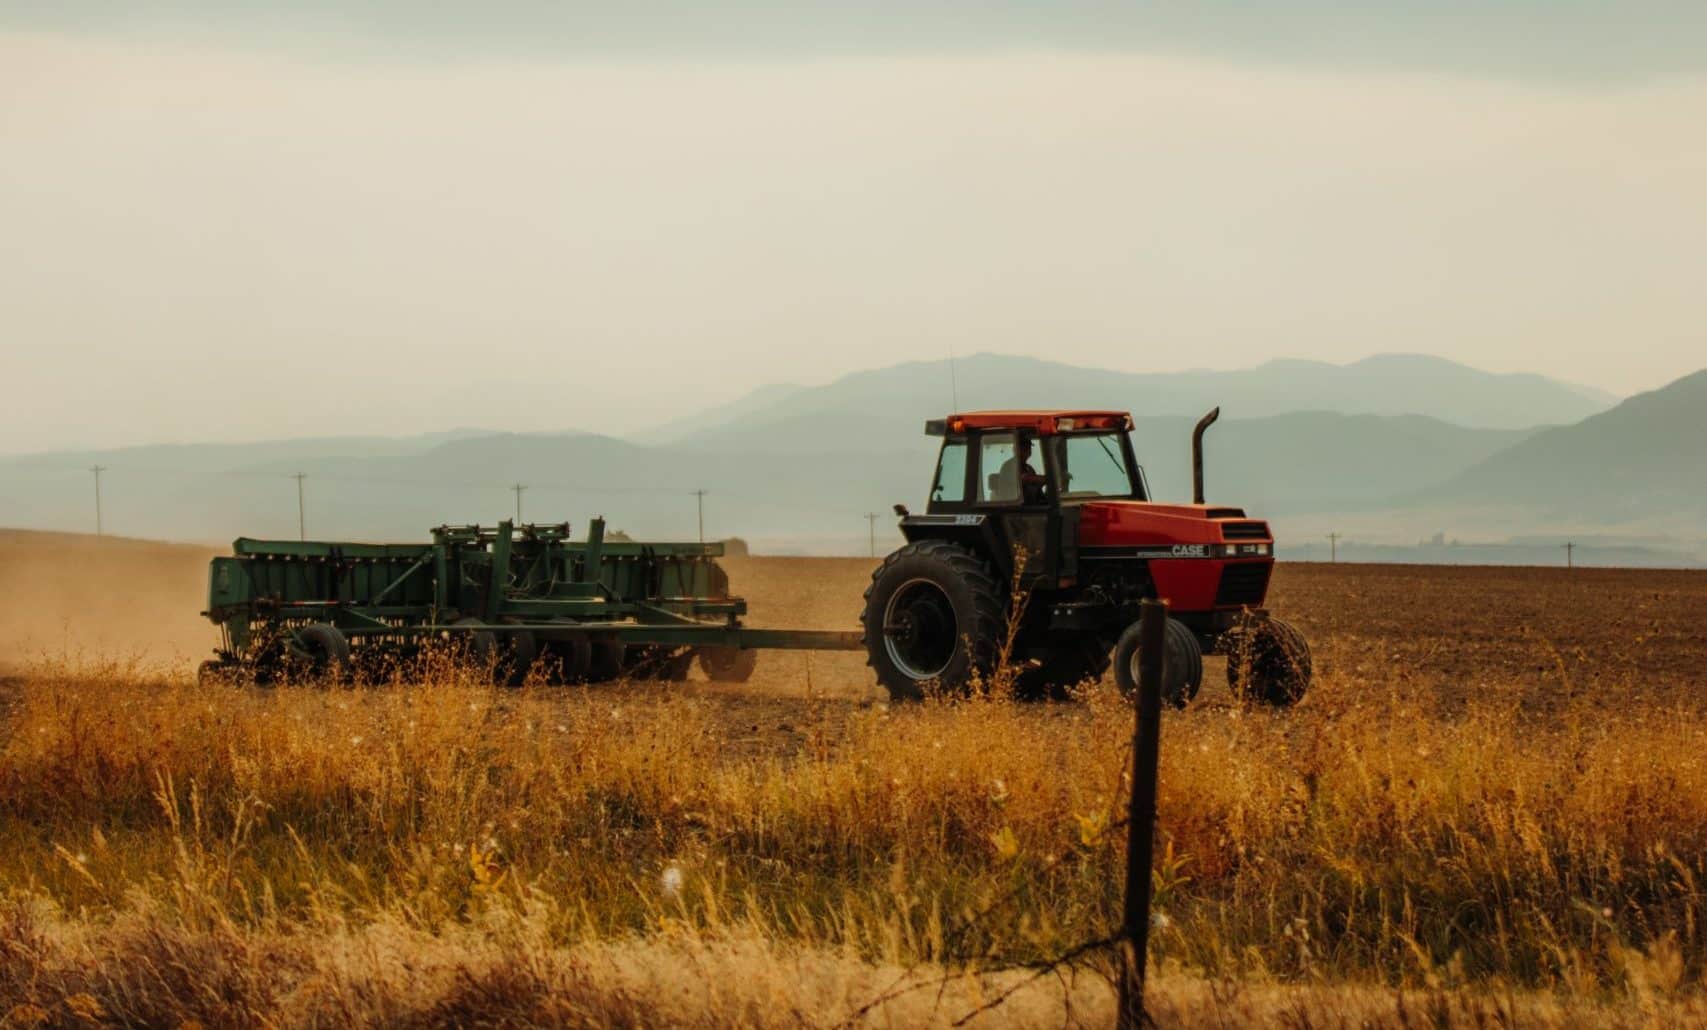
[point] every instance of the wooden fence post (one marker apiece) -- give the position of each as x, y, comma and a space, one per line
1141, 813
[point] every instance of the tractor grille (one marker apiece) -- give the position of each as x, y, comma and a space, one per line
1224, 513
1244, 531
1243, 584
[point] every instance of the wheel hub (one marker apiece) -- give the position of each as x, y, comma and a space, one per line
920, 629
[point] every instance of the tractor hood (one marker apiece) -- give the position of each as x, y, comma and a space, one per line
1144, 523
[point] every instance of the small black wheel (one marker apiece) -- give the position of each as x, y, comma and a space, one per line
605, 663
1269, 661
509, 655
565, 660
327, 650
728, 664
933, 618
1182, 664
659, 662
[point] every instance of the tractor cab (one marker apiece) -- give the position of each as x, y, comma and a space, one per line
1002, 460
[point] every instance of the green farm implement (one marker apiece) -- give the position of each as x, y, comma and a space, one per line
516, 597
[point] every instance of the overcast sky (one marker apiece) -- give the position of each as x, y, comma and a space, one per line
223, 220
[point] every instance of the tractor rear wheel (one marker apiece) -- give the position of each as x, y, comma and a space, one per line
1269, 661
1065, 664
728, 664
932, 619
1182, 665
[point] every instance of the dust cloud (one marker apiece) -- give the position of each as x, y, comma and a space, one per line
85, 599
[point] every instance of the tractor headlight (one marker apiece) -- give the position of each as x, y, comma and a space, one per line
1239, 550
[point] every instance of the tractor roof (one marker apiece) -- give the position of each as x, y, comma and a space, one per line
1043, 423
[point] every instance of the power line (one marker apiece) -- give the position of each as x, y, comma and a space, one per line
301, 511
1570, 554
519, 488
871, 518
97, 470
1333, 547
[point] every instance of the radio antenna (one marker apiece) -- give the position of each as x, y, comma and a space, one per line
953, 381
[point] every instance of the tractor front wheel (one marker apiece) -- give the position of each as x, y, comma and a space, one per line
1269, 661
1182, 663
932, 619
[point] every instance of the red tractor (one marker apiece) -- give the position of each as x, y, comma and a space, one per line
1037, 546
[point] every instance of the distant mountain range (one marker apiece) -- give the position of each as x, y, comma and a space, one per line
1648, 455
1386, 384
799, 467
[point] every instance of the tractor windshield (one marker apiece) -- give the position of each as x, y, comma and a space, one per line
1093, 465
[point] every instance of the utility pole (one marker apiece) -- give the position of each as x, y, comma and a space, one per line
699, 498
1333, 547
301, 512
518, 488
97, 470
871, 518
1570, 554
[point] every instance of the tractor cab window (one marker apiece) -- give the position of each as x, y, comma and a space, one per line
950, 485
1008, 471
1092, 465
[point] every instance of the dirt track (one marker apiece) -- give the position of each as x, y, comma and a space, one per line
1460, 631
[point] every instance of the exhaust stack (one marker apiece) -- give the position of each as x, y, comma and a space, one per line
1197, 454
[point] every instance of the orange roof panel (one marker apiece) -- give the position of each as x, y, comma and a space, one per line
1044, 423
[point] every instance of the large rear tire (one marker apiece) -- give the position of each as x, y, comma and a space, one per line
1182, 666
1269, 661
933, 620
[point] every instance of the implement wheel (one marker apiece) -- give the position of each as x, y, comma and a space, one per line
327, 651
933, 619
606, 661
659, 662
1269, 661
565, 661
728, 664
1182, 664
508, 655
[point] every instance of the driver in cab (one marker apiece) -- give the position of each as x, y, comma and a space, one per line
1017, 479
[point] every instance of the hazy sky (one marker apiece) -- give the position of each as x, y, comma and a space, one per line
220, 220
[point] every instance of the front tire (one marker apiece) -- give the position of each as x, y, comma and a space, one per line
933, 620
1269, 661
1182, 664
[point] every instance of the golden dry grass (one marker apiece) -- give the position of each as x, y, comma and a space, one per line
1399, 850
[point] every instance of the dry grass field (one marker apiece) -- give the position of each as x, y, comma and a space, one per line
1492, 808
